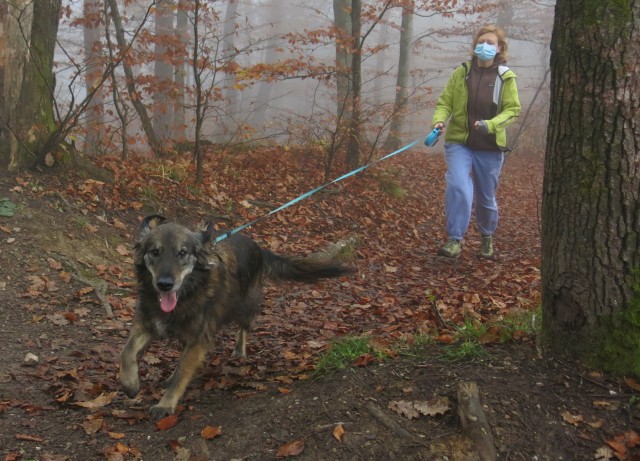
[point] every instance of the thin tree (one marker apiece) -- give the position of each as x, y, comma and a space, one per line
342, 21
394, 138
591, 196
180, 78
229, 55
163, 71
94, 70
136, 100
355, 135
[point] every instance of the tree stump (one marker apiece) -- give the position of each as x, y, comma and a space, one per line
474, 421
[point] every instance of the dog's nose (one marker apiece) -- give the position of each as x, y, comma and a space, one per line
165, 283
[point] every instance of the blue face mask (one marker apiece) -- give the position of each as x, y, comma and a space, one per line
485, 51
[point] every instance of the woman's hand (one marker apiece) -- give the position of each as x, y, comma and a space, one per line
481, 126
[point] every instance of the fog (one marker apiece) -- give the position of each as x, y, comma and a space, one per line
292, 105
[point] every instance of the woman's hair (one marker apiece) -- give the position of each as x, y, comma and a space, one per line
502, 41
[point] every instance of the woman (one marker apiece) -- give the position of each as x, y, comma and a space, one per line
481, 100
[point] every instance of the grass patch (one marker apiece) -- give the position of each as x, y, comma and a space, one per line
471, 338
465, 351
343, 353
389, 184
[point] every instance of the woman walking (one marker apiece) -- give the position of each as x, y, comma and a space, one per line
480, 100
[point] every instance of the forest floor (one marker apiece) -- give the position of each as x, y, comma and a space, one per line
68, 298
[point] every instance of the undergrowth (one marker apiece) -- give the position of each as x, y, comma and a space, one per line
469, 343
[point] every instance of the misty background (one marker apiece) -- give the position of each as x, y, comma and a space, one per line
270, 74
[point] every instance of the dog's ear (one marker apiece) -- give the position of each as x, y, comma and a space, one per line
150, 222
207, 232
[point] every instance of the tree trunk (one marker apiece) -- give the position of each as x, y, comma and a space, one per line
355, 135
591, 197
394, 139
93, 75
163, 72
136, 100
229, 56
342, 20
182, 23
200, 99
27, 82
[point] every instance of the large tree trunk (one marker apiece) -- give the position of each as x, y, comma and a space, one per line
93, 75
394, 138
27, 44
591, 197
163, 72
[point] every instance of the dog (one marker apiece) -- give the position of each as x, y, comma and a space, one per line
189, 287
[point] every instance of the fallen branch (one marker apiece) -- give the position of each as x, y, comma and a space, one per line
474, 421
388, 422
99, 286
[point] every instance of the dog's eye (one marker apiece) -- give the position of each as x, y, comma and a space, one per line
182, 254
154, 252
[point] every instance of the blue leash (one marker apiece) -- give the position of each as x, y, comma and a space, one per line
311, 192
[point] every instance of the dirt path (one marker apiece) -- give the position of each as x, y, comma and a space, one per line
55, 257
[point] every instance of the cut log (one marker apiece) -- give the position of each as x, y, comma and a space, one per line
474, 421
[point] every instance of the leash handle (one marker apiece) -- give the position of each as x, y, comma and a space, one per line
227, 234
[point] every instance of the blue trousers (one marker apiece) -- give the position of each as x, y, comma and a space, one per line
471, 172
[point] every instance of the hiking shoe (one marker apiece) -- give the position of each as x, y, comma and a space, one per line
486, 247
451, 249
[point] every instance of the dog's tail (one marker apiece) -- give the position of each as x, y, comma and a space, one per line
309, 269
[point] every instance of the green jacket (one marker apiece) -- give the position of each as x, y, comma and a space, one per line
453, 103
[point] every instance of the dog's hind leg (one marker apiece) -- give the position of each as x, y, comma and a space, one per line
191, 360
138, 340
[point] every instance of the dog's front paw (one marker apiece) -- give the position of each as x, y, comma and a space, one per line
130, 384
157, 412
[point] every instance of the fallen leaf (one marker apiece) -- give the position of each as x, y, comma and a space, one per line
53, 264
606, 404
338, 432
632, 383
574, 420
92, 426
98, 402
404, 408
123, 250
210, 432
116, 435
363, 360
434, 407
291, 449
167, 422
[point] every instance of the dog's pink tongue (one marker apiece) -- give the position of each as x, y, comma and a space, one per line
168, 301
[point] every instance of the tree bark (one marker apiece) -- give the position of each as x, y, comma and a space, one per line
93, 75
180, 79
26, 80
163, 72
355, 135
591, 196
394, 138
229, 123
342, 20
